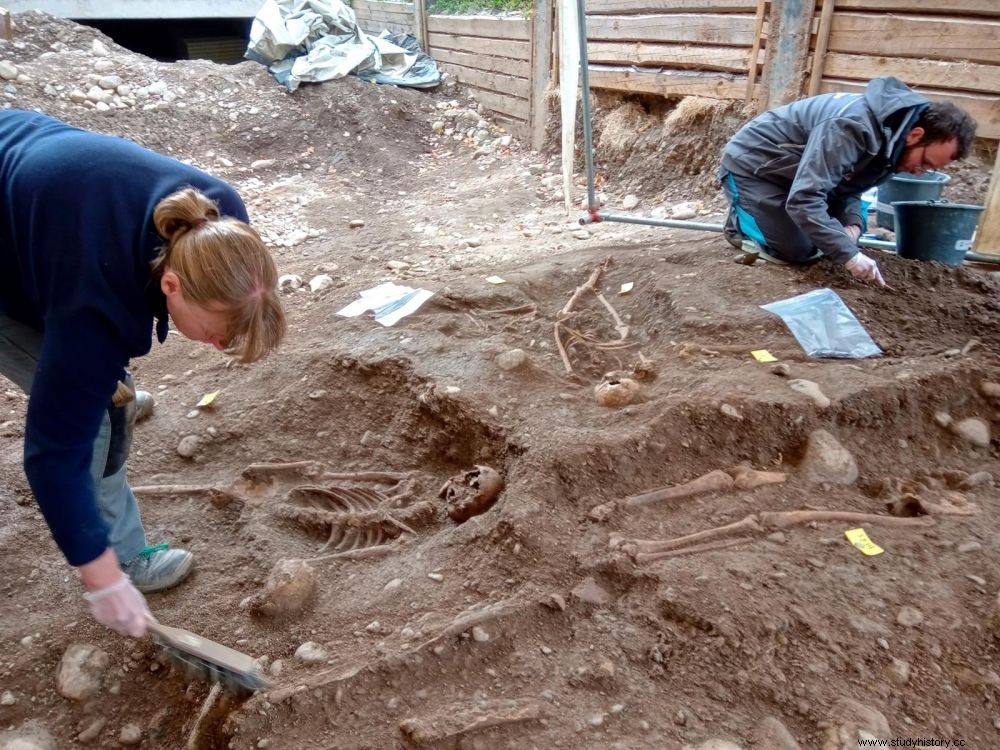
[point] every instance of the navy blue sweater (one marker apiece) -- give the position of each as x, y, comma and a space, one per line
76, 243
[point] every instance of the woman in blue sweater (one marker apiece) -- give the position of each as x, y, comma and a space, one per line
102, 242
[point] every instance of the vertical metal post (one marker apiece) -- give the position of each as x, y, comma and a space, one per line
588, 135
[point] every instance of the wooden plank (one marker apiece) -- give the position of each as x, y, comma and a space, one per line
379, 15
487, 26
668, 82
947, 7
374, 28
508, 105
916, 36
6, 28
701, 57
541, 70
517, 128
733, 30
519, 68
420, 23
627, 7
517, 87
758, 37
988, 232
948, 75
479, 45
983, 107
366, 5
788, 59
822, 42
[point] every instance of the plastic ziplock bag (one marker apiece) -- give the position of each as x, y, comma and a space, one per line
824, 326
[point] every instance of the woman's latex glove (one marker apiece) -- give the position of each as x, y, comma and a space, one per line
864, 268
120, 607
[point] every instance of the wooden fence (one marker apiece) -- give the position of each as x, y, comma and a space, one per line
946, 49
674, 47
491, 55
373, 17
728, 49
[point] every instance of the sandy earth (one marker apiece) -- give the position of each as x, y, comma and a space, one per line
542, 621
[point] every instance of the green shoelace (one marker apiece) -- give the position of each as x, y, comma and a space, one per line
148, 552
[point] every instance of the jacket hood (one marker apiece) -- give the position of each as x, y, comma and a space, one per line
886, 96
897, 109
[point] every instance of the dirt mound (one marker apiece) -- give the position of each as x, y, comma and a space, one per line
314, 491
221, 117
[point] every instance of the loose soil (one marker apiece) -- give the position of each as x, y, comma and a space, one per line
575, 644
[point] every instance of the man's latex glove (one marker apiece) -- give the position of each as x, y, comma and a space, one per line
864, 268
120, 607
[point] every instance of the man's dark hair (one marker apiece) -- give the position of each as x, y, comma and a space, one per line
943, 121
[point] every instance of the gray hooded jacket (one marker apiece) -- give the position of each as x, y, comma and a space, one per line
828, 149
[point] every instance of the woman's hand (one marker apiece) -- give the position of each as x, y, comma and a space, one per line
114, 601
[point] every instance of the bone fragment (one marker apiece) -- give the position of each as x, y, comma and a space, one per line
746, 525
648, 557
648, 550
461, 719
810, 389
747, 478
364, 553
784, 519
714, 481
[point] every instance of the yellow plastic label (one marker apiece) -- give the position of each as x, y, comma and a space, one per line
763, 355
627, 287
860, 539
208, 399
495, 280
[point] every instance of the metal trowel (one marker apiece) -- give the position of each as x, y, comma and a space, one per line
204, 659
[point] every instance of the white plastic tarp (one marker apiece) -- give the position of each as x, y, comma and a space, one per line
320, 40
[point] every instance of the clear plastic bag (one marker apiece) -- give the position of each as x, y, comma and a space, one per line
824, 326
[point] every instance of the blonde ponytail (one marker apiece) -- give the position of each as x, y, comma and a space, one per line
222, 261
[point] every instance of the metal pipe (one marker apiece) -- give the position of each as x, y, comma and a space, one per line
588, 135
890, 247
672, 223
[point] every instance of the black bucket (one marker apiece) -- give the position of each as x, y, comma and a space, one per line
926, 230
907, 187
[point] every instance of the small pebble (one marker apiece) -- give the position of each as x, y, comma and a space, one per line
480, 635
131, 734
909, 617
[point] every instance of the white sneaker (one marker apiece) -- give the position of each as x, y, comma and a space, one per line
144, 405
158, 568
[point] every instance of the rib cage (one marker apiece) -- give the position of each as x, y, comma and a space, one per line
351, 517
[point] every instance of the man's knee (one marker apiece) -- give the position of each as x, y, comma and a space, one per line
793, 249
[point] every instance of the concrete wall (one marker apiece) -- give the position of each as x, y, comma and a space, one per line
138, 9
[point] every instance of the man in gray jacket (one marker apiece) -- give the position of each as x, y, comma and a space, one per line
794, 175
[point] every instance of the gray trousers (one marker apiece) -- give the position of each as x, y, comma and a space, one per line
759, 209
20, 347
